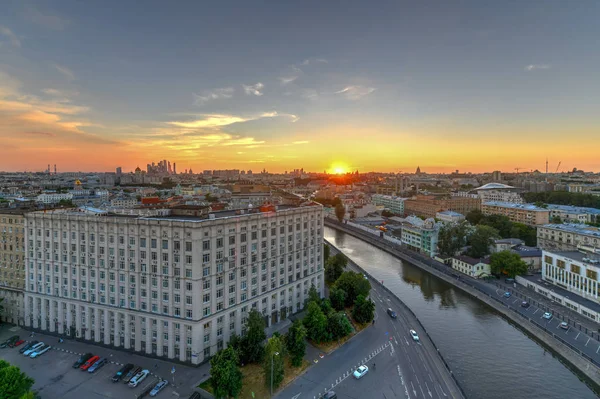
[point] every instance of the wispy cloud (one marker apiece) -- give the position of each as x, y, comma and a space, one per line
65, 71
211, 121
312, 61
255, 89
300, 142
534, 67
291, 75
10, 36
216, 94
355, 92
49, 21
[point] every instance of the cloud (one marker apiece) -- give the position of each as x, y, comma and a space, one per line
53, 22
65, 71
12, 38
212, 121
255, 89
533, 67
313, 61
355, 92
216, 94
300, 142
293, 74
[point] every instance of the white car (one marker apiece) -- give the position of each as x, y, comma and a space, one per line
139, 377
360, 372
40, 351
547, 316
414, 335
33, 348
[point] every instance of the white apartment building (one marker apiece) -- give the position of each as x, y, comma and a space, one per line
54, 198
499, 192
566, 237
575, 271
124, 202
171, 286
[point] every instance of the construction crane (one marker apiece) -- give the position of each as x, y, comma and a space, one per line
559, 162
518, 169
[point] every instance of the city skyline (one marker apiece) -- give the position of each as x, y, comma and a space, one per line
374, 87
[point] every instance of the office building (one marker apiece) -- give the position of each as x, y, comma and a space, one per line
575, 271
173, 286
389, 202
566, 237
12, 261
527, 214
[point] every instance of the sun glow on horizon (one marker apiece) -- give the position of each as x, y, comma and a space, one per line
338, 169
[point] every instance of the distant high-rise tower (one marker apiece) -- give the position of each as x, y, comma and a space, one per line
169, 169
174, 168
54, 168
48, 170
497, 176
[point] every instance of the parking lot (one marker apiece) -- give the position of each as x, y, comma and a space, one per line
56, 378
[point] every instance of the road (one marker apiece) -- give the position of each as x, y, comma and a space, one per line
575, 337
403, 368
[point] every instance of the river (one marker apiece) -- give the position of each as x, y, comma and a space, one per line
491, 358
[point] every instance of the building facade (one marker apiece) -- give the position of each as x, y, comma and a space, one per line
575, 271
389, 202
574, 214
566, 237
420, 236
428, 206
527, 214
471, 267
12, 261
450, 216
170, 286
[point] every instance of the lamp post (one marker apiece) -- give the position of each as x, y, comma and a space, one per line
272, 357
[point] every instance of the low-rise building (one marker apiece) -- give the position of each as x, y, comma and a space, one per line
124, 202
520, 213
54, 198
472, 267
566, 237
450, 217
391, 203
574, 214
420, 235
499, 192
428, 205
530, 255
506, 244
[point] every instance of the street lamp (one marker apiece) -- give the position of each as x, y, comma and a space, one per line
272, 357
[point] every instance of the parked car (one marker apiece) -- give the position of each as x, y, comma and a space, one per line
84, 358
525, 304
18, 343
122, 372
131, 373
507, 294
547, 316
89, 363
33, 348
9, 341
139, 377
40, 351
27, 346
414, 335
97, 365
158, 387
564, 325
330, 395
509, 280
360, 372
392, 314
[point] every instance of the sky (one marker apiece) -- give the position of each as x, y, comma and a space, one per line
322, 85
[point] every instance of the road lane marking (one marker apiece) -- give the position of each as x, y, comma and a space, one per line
421, 388
515, 301
598, 349
536, 311
577, 336
443, 393
428, 390
296, 396
588, 341
413, 387
403, 384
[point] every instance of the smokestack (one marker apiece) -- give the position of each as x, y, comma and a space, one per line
54, 168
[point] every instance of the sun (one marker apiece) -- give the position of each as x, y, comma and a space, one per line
338, 169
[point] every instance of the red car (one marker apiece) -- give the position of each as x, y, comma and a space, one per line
19, 342
87, 364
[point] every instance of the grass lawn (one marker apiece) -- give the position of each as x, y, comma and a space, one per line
254, 380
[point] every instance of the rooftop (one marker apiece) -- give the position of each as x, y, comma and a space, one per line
574, 209
579, 256
471, 261
575, 228
512, 205
494, 186
450, 213
537, 279
527, 252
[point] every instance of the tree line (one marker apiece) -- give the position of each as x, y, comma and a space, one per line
564, 198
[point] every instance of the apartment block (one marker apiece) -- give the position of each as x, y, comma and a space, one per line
173, 286
567, 237
428, 206
420, 235
574, 214
575, 271
389, 202
521, 213
12, 261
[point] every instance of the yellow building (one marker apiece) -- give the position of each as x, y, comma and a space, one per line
520, 213
12, 264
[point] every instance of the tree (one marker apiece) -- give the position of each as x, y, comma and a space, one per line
340, 211
313, 295
452, 237
474, 216
295, 342
525, 233
353, 284
334, 267
326, 252
499, 222
315, 323
364, 310
556, 220
540, 204
507, 262
274, 356
337, 297
326, 307
386, 213
481, 240
253, 341
237, 344
13, 382
338, 325
225, 375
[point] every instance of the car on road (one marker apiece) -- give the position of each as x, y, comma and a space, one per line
525, 304
84, 358
19, 342
9, 341
27, 346
564, 325
547, 316
131, 373
139, 377
158, 387
365, 276
40, 351
96, 366
330, 395
33, 348
122, 372
509, 280
414, 335
360, 372
89, 363
392, 314
507, 294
